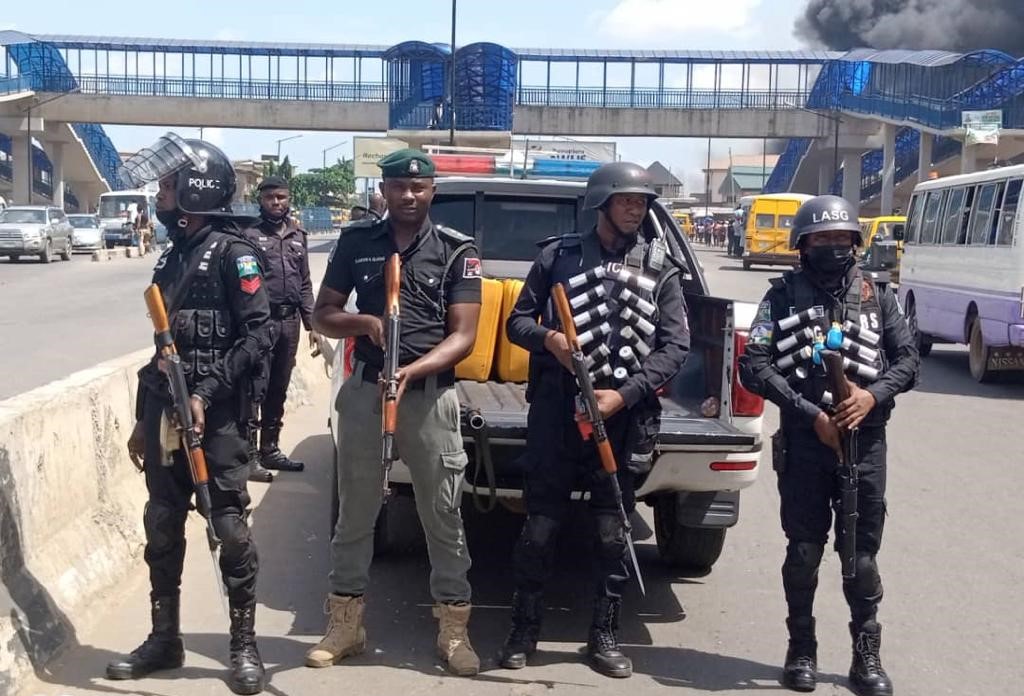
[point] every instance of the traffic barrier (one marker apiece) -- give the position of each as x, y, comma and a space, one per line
71, 504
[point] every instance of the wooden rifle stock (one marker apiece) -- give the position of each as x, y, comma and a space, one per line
389, 397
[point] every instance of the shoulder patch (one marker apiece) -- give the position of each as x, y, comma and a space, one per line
247, 266
867, 291
761, 334
471, 268
764, 312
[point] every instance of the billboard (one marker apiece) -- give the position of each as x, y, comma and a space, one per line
579, 150
370, 150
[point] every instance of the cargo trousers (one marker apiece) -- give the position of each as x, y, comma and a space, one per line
429, 443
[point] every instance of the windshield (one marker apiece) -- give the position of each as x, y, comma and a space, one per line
21, 215
121, 206
83, 221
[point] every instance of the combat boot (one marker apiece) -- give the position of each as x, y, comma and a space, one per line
867, 676
522, 638
257, 472
247, 673
801, 670
345, 633
602, 646
271, 455
453, 644
163, 649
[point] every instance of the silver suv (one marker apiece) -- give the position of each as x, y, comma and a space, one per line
35, 230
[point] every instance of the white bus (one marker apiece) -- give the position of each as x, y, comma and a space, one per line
962, 272
118, 208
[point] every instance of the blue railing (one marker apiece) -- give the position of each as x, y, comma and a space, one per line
785, 168
643, 98
11, 85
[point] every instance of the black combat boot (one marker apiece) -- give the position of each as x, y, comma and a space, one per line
272, 456
867, 676
522, 639
163, 649
602, 647
247, 671
256, 470
801, 670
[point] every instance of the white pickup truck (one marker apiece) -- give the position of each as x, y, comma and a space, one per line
701, 462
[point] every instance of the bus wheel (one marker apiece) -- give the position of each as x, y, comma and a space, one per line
924, 344
746, 265
979, 354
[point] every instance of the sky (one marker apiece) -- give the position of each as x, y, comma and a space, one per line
598, 24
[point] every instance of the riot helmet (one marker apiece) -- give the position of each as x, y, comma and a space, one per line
824, 213
205, 179
617, 177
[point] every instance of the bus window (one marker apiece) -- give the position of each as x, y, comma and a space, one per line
914, 221
954, 211
785, 222
997, 208
931, 217
961, 236
765, 221
981, 216
1005, 235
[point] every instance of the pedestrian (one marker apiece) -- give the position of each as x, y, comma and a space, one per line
559, 460
440, 305
285, 249
357, 213
210, 277
826, 233
378, 206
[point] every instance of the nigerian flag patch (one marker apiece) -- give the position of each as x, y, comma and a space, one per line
247, 266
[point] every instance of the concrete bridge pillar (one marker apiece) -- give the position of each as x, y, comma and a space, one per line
825, 177
924, 156
888, 168
969, 158
851, 177
21, 157
56, 153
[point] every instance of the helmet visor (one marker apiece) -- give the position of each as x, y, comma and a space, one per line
168, 155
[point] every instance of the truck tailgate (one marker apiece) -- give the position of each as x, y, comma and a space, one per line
503, 408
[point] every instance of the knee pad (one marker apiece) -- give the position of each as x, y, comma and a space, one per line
867, 583
539, 531
802, 561
611, 536
164, 525
232, 531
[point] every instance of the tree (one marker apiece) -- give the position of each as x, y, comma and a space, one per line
330, 187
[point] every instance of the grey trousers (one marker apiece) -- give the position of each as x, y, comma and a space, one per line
430, 445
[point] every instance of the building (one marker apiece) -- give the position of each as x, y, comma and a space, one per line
248, 174
742, 180
665, 182
752, 170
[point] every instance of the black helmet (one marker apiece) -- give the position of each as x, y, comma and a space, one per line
205, 177
617, 177
824, 213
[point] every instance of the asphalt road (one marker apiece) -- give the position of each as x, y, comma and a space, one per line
63, 317
952, 562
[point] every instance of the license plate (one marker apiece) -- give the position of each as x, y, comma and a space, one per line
1011, 358
8, 243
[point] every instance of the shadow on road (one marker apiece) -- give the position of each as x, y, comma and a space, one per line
945, 371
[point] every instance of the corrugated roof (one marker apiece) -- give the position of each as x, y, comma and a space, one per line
750, 181
673, 56
923, 58
134, 43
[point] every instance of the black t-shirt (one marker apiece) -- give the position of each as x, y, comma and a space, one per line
357, 262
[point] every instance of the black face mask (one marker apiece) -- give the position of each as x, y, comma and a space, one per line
275, 219
828, 262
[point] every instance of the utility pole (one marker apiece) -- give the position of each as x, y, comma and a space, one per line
451, 84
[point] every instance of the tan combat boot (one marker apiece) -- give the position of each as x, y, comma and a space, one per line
345, 633
453, 640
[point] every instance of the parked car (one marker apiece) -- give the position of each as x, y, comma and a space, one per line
87, 235
35, 230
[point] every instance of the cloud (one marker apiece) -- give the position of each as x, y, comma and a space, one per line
659, 20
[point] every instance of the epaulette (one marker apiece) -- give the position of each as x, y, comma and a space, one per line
363, 224
451, 236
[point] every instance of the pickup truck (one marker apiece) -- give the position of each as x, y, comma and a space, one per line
702, 462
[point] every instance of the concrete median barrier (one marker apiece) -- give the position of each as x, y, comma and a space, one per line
71, 504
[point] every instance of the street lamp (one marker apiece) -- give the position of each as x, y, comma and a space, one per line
332, 147
284, 140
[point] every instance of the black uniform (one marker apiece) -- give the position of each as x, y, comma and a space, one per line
559, 461
290, 292
807, 470
219, 317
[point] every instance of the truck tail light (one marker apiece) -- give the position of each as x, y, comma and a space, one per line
744, 403
733, 466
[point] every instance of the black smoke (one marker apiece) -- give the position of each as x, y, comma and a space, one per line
952, 25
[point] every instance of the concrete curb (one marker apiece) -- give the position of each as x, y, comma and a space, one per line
71, 504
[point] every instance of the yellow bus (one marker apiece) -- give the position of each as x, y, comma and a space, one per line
769, 218
883, 244
685, 220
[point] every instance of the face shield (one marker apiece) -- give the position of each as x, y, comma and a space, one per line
168, 155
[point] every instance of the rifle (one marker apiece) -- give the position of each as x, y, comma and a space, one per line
592, 424
193, 444
393, 332
847, 472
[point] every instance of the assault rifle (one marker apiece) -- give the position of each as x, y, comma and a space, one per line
847, 472
592, 424
192, 441
393, 333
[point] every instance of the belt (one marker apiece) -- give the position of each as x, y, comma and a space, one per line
283, 311
444, 379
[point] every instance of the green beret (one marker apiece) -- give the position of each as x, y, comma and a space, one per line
406, 164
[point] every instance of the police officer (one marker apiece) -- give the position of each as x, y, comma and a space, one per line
559, 460
286, 254
883, 360
440, 305
219, 316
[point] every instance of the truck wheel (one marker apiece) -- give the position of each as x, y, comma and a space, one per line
979, 354
685, 548
66, 254
47, 255
924, 343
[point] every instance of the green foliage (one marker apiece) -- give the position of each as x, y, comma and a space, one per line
324, 187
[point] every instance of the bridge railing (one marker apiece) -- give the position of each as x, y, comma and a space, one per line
653, 98
17, 83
